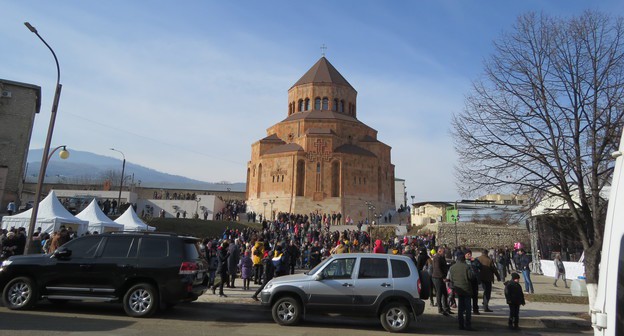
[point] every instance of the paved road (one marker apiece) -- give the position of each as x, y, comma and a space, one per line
210, 318
239, 315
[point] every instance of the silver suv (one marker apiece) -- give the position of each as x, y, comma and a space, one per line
360, 284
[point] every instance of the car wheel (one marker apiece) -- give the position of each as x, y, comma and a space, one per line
395, 317
20, 293
287, 311
141, 300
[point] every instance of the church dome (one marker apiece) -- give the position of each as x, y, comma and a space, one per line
323, 72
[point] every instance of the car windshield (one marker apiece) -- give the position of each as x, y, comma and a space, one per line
319, 266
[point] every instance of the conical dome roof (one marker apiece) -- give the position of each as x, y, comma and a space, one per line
323, 72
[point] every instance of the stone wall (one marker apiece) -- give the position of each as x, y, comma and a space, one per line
19, 102
481, 236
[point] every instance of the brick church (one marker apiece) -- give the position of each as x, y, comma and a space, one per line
321, 158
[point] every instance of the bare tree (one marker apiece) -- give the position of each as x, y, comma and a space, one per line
112, 175
545, 117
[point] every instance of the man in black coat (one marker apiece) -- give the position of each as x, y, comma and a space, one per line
222, 269
440, 269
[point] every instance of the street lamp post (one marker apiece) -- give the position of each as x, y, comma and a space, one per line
455, 218
272, 201
197, 200
264, 211
123, 170
46, 148
368, 205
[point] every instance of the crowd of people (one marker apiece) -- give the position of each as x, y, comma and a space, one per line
302, 241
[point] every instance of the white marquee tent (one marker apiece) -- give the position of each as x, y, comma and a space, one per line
98, 221
132, 222
50, 217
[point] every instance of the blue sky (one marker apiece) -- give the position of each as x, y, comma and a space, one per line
185, 87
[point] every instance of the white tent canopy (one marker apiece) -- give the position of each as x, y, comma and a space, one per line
98, 221
132, 222
50, 217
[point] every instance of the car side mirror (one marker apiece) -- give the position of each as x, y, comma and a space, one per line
62, 253
319, 277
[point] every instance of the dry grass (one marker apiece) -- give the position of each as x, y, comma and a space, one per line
556, 298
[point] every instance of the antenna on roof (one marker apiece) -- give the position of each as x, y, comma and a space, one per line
323, 48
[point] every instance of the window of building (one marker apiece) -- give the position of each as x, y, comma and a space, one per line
325, 103
300, 105
335, 106
307, 104
318, 176
300, 177
335, 182
317, 104
341, 106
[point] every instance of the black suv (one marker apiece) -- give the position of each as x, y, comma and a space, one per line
144, 271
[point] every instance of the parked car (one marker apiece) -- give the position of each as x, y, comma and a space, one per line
144, 271
360, 284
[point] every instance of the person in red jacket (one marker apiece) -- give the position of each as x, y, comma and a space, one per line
379, 247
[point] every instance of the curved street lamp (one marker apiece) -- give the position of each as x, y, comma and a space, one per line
272, 201
46, 148
123, 169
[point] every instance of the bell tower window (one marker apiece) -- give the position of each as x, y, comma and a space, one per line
317, 104
325, 103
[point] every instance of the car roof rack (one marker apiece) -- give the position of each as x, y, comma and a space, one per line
143, 233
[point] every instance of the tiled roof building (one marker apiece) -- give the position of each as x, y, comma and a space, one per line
321, 157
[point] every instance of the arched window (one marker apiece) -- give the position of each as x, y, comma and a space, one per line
335, 106
325, 103
247, 186
289, 109
300, 177
259, 185
350, 109
300, 105
318, 176
273, 178
379, 183
317, 104
341, 106
307, 104
353, 113
335, 182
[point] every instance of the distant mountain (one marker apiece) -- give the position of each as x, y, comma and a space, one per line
85, 167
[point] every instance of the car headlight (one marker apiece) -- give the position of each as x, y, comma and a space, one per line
268, 286
6, 263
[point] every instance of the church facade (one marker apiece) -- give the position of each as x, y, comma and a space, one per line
321, 158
